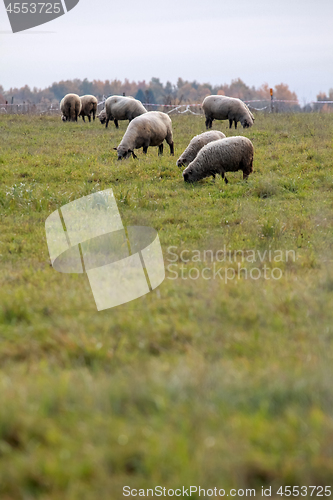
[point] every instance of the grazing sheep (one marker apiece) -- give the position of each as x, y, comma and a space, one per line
89, 106
70, 107
220, 107
102, 116
198, 142
122, 108
149, 129
251, 114
218, 157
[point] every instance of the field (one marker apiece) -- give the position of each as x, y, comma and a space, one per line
213, 382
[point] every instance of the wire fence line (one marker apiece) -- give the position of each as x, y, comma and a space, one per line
266, 106
29, 109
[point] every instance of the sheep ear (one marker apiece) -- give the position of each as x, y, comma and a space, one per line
115, 149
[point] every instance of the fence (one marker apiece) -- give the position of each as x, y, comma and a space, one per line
29, 109
265, 106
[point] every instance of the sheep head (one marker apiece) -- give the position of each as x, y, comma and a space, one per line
190, 175
124, 153
102, 117
246, 123
181, 162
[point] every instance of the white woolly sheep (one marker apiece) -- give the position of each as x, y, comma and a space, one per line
102, 116
89, 106
122, 108
198, 142
220, 107
149, 129
251, 114
70, 107
218, 157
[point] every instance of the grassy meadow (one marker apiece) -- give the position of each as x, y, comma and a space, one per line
214, 382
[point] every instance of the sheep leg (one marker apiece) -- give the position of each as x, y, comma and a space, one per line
230, 123
83, 118
160, 149
224, 177
235, 124
172, 151
116, 123
107, 122
94, 114
145, 149
209, 123
89, 118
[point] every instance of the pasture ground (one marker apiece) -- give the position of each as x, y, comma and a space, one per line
200, 382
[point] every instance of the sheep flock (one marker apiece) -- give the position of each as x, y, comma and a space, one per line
207, 154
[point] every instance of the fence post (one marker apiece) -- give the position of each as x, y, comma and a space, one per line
272, 102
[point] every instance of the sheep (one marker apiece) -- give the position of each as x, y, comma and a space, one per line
221, 156
196, 144
70, 107
251, 114
220, 107
102, 116
149, 129
122, 108
89, 106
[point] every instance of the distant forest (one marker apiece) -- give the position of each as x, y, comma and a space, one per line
153, 92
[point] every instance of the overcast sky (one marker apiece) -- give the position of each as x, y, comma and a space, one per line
289, 41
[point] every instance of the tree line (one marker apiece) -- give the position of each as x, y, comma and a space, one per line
152, 92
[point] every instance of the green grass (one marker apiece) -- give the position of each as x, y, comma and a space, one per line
201, 382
